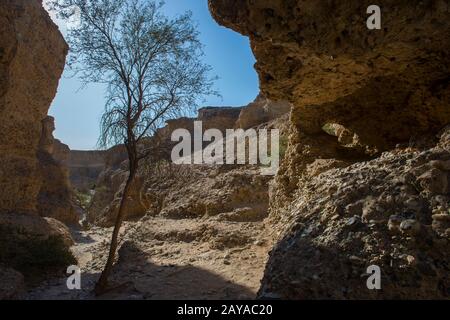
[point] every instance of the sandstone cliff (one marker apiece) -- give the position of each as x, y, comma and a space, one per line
32, 57
261, 111
355, 93
31, 63
55, 197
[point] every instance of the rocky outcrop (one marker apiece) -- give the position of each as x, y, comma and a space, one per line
321, 57
392, 212
55, 196
108, 194
338, 206
109, 187
229, 193
261, 111
221, 118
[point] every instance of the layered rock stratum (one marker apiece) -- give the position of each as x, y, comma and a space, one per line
339, 203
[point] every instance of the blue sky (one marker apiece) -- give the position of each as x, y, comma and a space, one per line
78, 111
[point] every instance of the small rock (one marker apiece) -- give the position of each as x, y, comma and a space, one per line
259, 243
335, 217
410, 227
394, 223
353, 221
411, 260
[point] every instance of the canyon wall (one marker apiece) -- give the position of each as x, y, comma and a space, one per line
191, 191
32, 58
339, 204
261, 111
55, 199
31, 63
85, 168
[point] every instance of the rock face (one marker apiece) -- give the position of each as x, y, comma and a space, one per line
108, 194
31, 63
32, 58
221, 118
108, 187
55, 195
230, 193
85, 168
338, 206
393, 212
321, 57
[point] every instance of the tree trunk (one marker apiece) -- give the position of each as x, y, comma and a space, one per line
102, 284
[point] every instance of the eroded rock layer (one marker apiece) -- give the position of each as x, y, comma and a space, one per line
355, 93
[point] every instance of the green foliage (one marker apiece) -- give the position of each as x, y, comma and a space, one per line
84, 199
35, 258
329, 129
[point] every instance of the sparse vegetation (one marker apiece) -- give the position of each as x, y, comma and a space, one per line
83, 199
153, 68
35, 258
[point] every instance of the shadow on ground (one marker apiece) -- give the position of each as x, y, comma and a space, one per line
135, 277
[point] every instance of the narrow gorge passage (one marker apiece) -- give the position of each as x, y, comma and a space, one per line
359, 208
191, 231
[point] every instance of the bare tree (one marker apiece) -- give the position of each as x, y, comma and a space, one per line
153, 70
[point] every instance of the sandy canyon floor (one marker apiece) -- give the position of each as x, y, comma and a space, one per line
169, 259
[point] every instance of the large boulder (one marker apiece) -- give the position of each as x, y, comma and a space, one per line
392, 212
